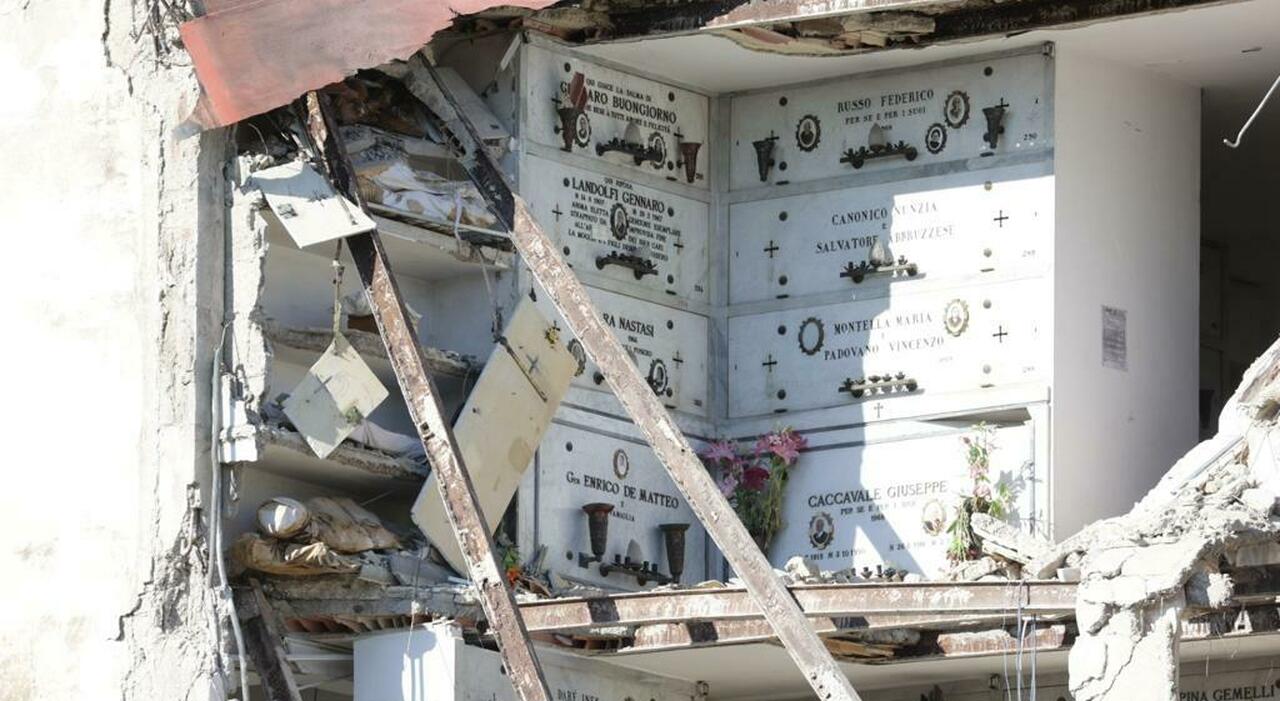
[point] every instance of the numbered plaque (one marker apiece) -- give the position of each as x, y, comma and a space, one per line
669, 347
866, 238
853, 504
890, 121
879, 350
633, 122
627, 233
578, 466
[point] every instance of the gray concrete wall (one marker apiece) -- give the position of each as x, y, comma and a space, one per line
114, 232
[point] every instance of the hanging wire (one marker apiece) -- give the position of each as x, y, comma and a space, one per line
1004, 651
1022, 631
215, 516
495, 310
1256, 112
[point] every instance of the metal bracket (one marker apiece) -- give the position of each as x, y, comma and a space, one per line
644, 572
859, 158
638, 152
764, 154
568, 124
689, 159
995, 124
639, 266
861, 271
879, 384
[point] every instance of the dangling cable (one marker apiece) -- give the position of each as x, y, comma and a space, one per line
215, 515
1256, 112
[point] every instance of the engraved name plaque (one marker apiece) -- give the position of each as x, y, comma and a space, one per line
633, 122
669, 347
992, 223
887, 504
620, 233
890, 121
878, 350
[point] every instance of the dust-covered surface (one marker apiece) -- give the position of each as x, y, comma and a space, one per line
1182, 548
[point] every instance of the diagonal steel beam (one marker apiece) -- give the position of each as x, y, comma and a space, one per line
635, 394
410, 365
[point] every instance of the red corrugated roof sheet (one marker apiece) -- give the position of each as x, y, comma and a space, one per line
253, 56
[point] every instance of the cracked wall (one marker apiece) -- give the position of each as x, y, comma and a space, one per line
115, 233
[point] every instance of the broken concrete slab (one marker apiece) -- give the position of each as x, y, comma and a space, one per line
1003, 540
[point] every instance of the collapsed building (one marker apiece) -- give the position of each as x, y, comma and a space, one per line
482, 334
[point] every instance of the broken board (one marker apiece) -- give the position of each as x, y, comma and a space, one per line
338, 393
502, 423
307, 205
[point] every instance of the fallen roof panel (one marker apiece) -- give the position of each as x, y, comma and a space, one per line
252, 57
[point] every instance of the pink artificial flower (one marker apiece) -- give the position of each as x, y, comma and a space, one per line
785, 444
982, 490
720, 450
728, 482
754, 478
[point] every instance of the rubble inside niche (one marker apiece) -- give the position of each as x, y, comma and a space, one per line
401, 160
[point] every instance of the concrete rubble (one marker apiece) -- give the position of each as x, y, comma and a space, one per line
1144, 571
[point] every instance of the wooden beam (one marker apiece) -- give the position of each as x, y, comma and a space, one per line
822, 600
635, 395
423, 401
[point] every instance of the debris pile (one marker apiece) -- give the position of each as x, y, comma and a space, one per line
1210, 525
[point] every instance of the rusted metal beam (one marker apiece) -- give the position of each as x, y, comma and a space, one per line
634, 393
824, 600
423, 401
687, 635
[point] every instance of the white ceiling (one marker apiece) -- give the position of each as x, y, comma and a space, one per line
1210, 47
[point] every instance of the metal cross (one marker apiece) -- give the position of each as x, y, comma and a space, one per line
769, 362
557, 211
878, 407
771, 248
1001, 218
1000, 334
533, 363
